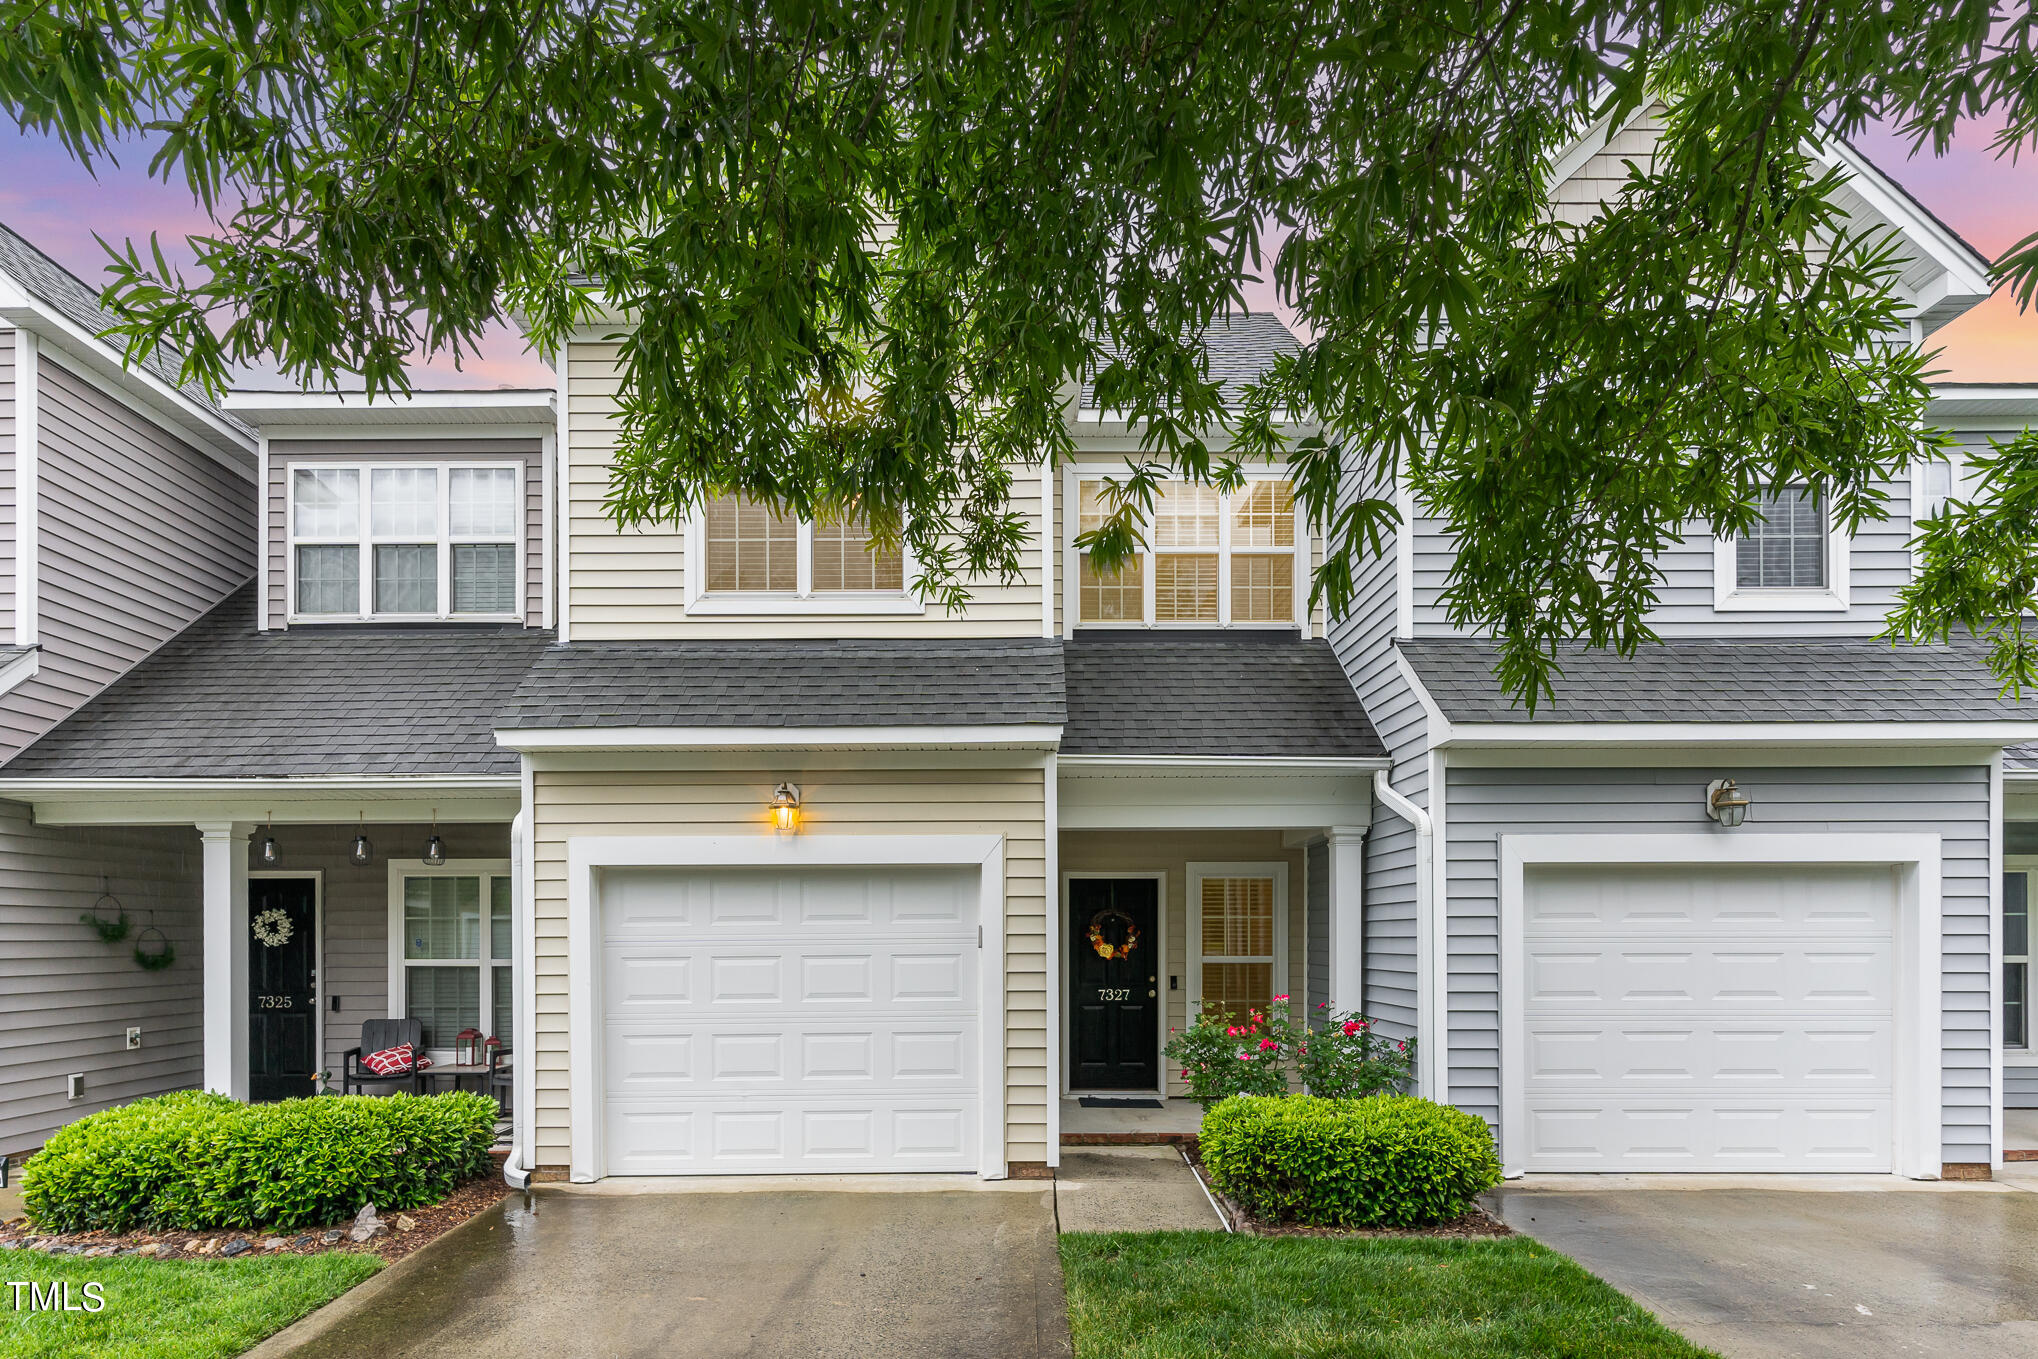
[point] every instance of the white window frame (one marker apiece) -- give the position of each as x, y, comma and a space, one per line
1283, 966
1072, 599
365, 540
2028, 866
803, 599
484, 961
1957, 488
1832, 597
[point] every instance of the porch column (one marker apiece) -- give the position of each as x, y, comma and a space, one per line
1347, 863
225, 846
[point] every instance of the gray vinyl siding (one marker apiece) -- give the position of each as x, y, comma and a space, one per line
2020, 1087
354, 912
139, 534
1364, 641
1484, 804
282, 452
1879, 566
1316, 925
66, 998
6, 486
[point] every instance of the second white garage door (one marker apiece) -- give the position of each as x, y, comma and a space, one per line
1708, 1019
761, 1021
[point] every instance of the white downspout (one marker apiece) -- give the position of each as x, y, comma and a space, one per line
1428, 1072
516, 1170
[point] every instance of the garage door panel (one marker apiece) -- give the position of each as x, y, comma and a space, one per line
1581, 976
1774, 1056
790, 1021
1639, 1135
1683, 1018
814, 1134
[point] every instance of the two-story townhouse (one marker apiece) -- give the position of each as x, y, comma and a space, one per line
1735, 904
127, 509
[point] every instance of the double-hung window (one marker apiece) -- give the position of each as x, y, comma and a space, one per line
1789, 559
751, 558
405, 541
2016, 1017
1238, 936
450, 954
1212, 559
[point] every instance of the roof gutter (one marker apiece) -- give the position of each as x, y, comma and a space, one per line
539, 740
1474, 735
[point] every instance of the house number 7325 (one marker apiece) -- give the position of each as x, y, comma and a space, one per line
275, 1002
1114, 993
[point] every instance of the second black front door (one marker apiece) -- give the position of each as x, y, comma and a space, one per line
282, 1018
1114, 984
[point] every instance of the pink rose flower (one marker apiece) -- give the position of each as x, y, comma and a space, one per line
1268, 1045
1245, 1056
1352, 1026
1280, 998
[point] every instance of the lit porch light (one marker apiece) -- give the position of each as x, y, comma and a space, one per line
785, 807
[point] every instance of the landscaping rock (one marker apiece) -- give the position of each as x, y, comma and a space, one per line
97, 1251
300, 1243
366, 1225
206, 1248
148, 1248
240, 1245
404, 1223
332, 1236
274, 1243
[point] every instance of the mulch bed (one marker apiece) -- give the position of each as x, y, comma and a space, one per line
425, 1225
1475, 1223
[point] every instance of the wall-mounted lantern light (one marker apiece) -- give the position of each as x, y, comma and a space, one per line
362, 852
268, 853
1725, 804
435, 848
785, 807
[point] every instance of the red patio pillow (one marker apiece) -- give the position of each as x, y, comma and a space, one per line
396, 1061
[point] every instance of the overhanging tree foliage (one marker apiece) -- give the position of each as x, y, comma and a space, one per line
867, 251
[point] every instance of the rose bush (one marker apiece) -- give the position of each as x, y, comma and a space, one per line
1272, 1052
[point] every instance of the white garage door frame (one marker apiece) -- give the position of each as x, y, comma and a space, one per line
1918, 942
587, 855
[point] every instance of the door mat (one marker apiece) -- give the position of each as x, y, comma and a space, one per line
1099, 1102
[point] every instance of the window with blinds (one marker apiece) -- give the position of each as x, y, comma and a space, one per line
1238, 938
1212, 559
412, 541
750, 549
1786, 548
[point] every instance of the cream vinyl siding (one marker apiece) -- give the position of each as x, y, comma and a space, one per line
1007, 802
1171, 852
630, 584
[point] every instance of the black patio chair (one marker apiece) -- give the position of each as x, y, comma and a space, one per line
377, 1034
501, 1079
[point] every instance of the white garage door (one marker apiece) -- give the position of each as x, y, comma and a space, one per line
1700, 1019
772, 1020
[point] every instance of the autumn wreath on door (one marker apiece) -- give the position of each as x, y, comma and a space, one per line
1100, 938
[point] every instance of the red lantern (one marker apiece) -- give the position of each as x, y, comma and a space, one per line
490, 1049
467, 1047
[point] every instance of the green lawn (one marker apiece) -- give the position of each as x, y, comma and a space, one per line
1186, 1295
167, 1309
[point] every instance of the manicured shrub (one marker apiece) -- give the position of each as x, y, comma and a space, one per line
1385, 1161
199, 1161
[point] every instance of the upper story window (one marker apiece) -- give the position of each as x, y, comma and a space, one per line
1790, 560
1213, 559
752, 559
410, 541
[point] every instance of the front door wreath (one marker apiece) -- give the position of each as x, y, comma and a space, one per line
1107, 950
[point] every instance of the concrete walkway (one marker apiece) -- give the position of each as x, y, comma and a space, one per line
1130, 1189
1871, 1271
960, 1273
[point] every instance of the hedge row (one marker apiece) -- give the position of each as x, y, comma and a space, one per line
196, 1161
1384, 1161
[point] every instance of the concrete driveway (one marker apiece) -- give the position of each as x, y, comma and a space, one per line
1761, 1273
766, 1272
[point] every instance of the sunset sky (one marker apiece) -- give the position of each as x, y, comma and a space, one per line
46, 197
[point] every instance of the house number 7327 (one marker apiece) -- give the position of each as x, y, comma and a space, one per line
1114, 993
275, 1002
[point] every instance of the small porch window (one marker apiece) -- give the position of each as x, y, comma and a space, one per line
1212, 559
1238, 932
451, 953
2017, 958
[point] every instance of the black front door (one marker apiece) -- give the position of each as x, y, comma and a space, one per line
282, 1018
1114, 984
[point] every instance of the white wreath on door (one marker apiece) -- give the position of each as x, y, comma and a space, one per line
273, 928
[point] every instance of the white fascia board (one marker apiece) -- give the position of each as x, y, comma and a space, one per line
1474, 735
538, 740
19, 670
155, 398
322, 784
1967, 272
1229, 764
431, 411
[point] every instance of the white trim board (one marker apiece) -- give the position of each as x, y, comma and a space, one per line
1064, 1050
587, 855
528, 740
1919, 1097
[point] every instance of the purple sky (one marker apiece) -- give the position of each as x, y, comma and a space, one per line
46, 197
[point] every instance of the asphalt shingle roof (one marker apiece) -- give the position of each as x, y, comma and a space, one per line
78, 302
852, 683
1239, 349
221, 700
1850, 679
1211, 694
